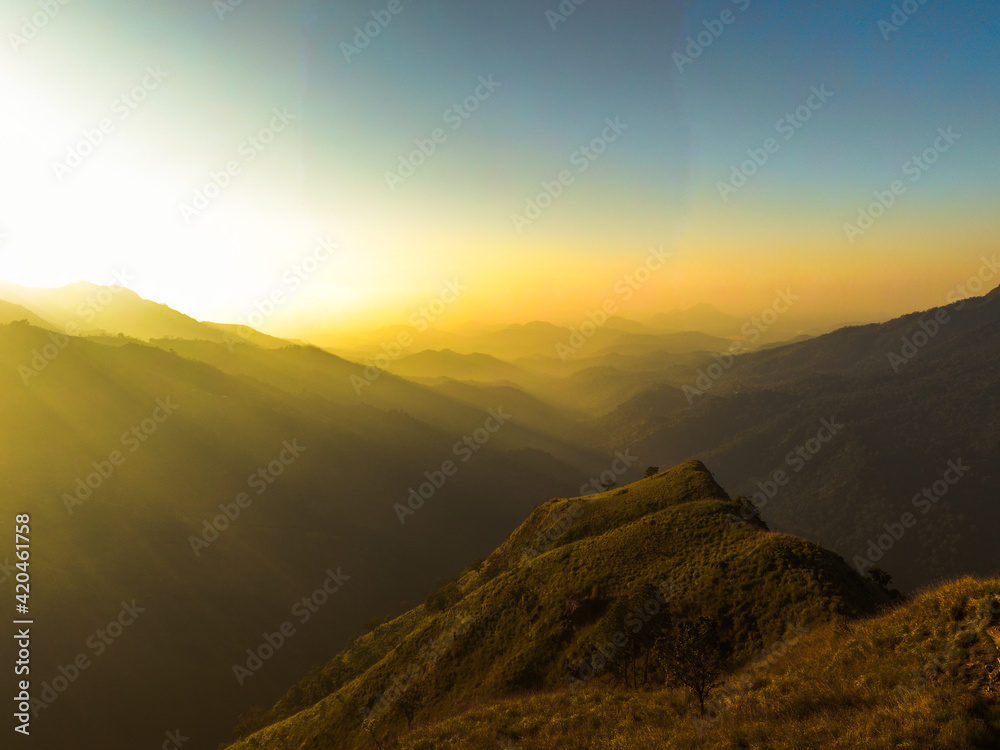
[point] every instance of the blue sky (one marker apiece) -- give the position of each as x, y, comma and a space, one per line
354, 120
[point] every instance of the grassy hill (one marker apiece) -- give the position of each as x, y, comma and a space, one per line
532, 618
922, 676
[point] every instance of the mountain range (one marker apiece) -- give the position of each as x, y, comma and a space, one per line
217, 478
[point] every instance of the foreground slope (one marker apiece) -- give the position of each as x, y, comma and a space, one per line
923, 676
528, 617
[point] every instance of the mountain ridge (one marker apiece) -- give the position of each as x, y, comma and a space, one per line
524, 619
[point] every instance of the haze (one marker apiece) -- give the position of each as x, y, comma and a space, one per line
318, 120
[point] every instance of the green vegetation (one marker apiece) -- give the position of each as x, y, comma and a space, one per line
921, 676
576, 619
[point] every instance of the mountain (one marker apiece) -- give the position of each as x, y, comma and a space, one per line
450, 364
88, 309
214, 501
372, 344
710, 320
534, 618
306, 370
798, 339
566, 343
702, 317
840, 436
10, 312
618, 323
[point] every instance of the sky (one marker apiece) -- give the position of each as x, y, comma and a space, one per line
357, 158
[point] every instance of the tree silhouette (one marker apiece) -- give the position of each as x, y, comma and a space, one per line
693, 656
880, 578
409, 703
652, 471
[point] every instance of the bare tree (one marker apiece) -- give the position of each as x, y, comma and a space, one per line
693, 656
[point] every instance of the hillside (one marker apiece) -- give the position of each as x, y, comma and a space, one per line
308, 370
10, 312
527, 618
921, 676
133, 462
902, 420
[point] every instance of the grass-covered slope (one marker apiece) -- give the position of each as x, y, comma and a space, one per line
535, 614
922, 676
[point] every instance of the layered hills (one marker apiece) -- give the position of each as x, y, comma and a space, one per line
838, 437
216, 498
